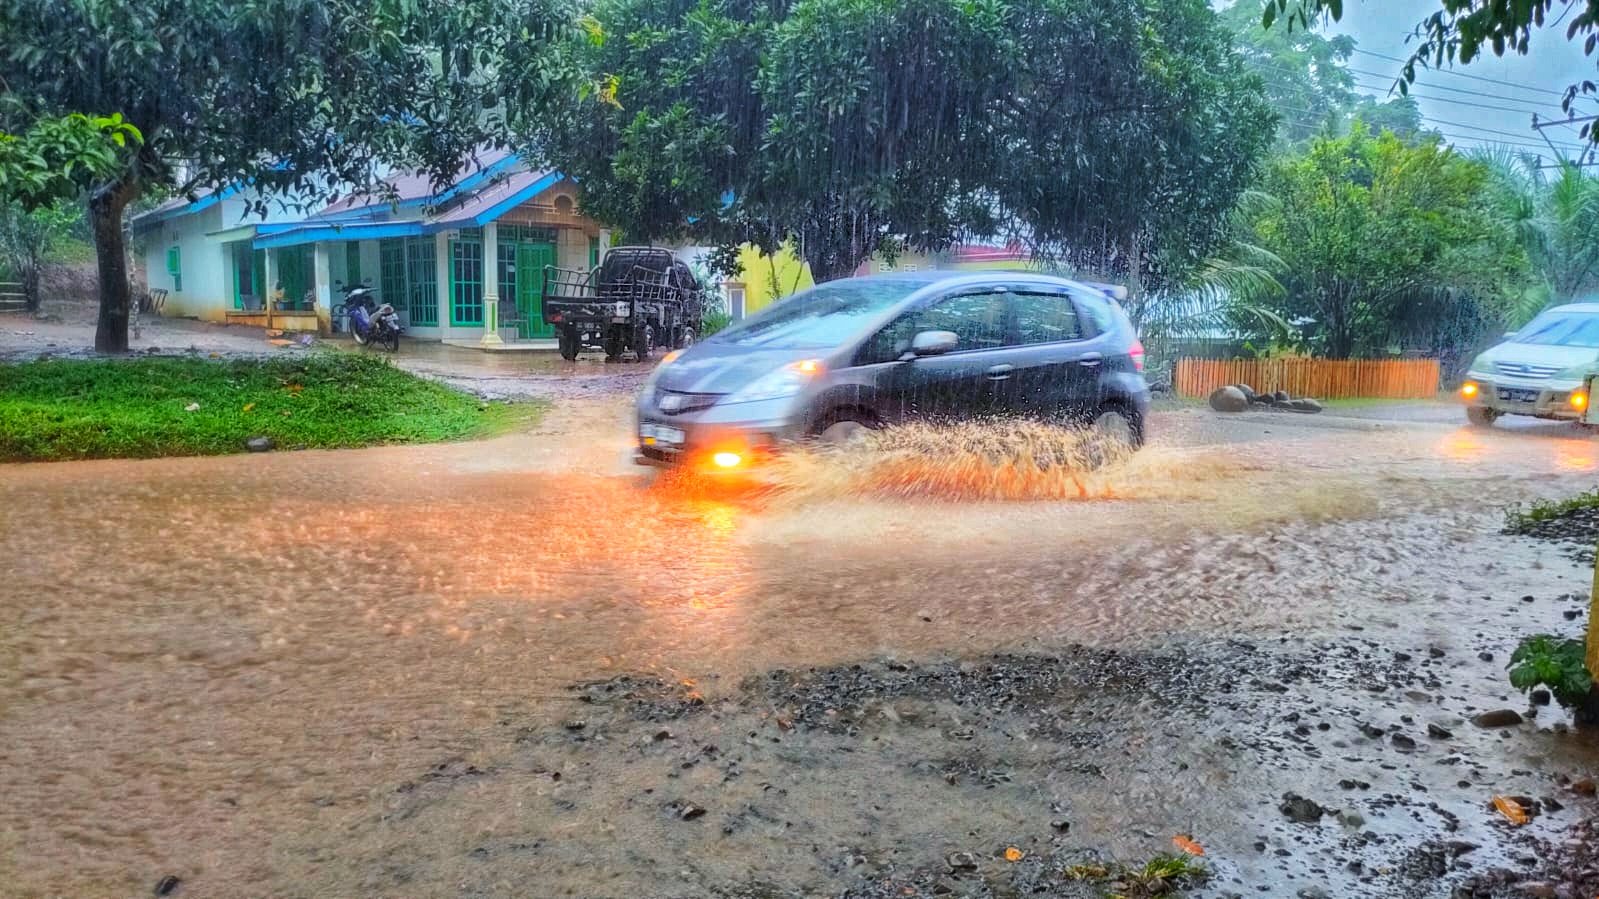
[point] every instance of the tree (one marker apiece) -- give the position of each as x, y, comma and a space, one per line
852, 126
27, 237
55, 159
305, 95
1556, 217
1383, 240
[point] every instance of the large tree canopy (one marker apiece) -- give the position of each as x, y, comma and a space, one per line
845, 124
304, 94
1384, 241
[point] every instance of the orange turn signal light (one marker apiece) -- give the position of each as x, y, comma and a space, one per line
1468, 389
1579, 400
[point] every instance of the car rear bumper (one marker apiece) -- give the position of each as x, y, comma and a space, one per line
1538, 399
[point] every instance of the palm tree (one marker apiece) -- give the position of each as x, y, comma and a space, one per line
1556, 217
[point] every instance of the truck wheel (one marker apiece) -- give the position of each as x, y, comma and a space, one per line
1481, 416
644, 342
569, 343
685, 339
613, 344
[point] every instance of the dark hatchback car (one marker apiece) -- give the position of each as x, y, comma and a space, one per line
868, 352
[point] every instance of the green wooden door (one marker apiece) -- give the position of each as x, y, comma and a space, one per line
531, 258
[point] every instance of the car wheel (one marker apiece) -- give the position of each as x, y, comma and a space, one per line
1481, 416
844, 431
1120, 426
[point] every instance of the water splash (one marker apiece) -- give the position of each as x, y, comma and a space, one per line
996, 460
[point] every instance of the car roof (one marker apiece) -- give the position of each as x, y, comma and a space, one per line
956, 278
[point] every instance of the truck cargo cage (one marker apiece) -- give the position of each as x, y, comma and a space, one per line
638, 298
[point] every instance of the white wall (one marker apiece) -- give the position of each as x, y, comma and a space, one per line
207, 283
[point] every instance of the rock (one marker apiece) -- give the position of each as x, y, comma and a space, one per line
1260, 399
690, 811
260, 444
1584, 787
1537, 889
1281, 396
1439, 732
1061, 825
1435, 652
1486, 656
1228, 399
168, 885
1539, 697
1304, 404
961, 861
1313, 893
1352, 819
1371, 731
1403, 742
1301, 810
1497, 718
1248, 391
575, 725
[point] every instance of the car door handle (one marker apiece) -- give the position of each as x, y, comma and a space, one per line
1091, 360
1000, 372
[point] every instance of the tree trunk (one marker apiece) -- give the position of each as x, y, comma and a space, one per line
105, 218
30, 282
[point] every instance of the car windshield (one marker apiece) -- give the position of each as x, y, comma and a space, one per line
1562, 329
821, 317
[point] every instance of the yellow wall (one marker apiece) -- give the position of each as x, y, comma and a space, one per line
790, 273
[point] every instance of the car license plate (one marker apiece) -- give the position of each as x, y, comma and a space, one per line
1510, 394
661, 434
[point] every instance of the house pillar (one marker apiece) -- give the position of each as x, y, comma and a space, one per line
605, 241
322, 287
491, 286
269, 280
445, 279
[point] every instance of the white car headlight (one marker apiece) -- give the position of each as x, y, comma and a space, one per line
785, 381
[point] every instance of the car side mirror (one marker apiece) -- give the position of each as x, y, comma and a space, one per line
934, 343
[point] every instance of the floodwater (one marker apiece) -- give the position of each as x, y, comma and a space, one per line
350, 673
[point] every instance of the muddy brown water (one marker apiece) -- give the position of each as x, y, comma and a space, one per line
251, 671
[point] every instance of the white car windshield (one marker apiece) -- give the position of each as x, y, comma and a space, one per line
1562, 329
820, 317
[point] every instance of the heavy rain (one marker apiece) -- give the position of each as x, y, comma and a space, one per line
817, 449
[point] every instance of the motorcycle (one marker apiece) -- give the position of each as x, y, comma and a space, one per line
371, 322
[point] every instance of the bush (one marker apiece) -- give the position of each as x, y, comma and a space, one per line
1549, 661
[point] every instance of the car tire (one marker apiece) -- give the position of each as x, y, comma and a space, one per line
1120, 425
1481, 416
842, 431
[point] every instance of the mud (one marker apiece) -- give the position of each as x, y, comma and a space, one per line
517, 668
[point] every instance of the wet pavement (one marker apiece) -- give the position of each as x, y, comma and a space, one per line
521, 667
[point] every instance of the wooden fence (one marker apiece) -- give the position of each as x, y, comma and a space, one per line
1320, 378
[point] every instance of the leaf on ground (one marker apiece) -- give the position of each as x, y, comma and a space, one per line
1012, 854
1511, 809
1186, 844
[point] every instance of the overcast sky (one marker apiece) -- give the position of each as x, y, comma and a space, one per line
1453, 103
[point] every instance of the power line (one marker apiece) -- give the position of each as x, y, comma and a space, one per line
1525, 140
1474, 104
1432, 86
1452, 71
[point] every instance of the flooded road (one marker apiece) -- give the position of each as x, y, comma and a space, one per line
352, 673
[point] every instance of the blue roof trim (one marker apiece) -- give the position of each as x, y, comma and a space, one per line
506, 205
465, 184
206, 202
302, 233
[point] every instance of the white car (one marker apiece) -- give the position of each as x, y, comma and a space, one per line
1540, 370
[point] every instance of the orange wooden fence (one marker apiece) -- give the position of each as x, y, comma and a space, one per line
1320, 378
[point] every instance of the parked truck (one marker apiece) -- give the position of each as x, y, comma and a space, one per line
637, 299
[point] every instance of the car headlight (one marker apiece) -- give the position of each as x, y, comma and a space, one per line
785, 381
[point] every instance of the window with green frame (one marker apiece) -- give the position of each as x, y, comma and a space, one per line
594, 252
421, 271
175, 268
249, 268
466, 279
524, 234
505, 270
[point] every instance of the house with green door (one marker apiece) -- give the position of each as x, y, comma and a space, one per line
462, 263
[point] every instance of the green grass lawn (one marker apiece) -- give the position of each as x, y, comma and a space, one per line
139, 408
